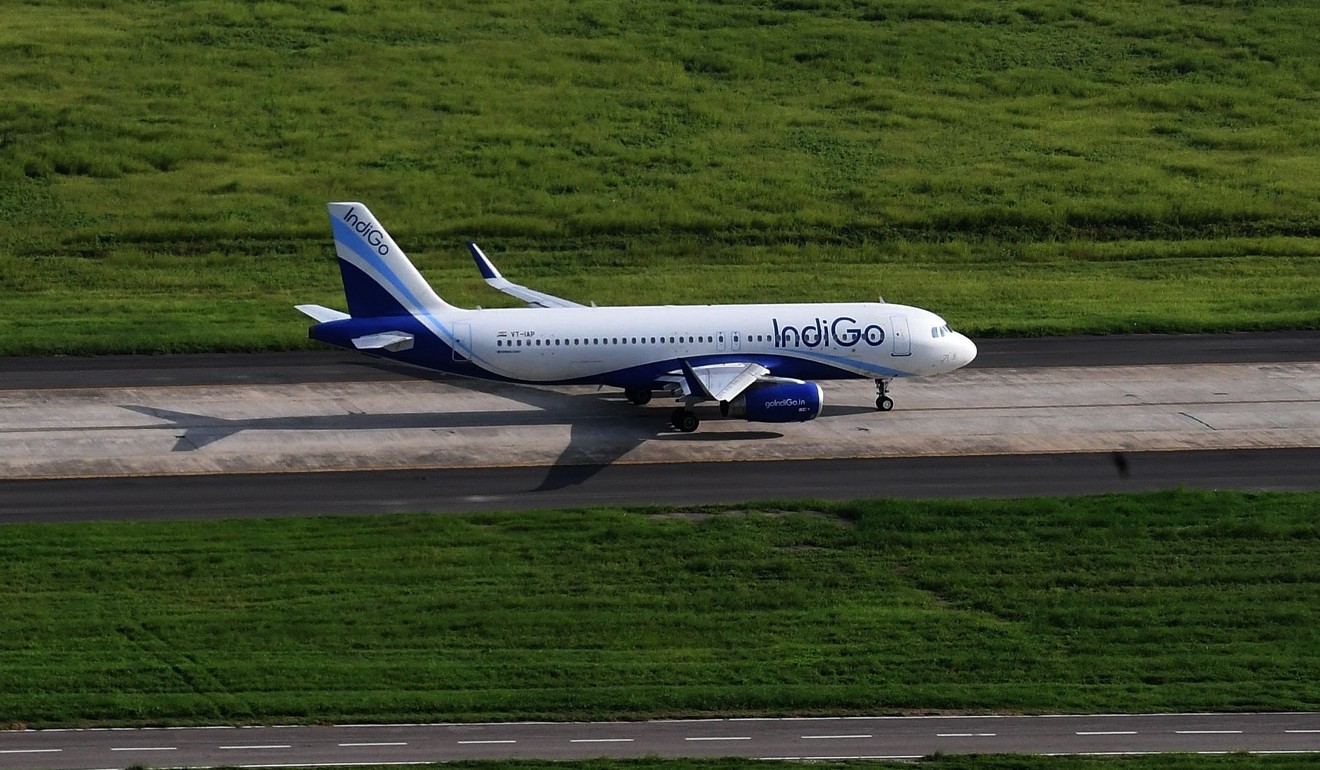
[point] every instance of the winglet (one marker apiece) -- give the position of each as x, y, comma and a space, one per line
694, 383
487, 268
497, 281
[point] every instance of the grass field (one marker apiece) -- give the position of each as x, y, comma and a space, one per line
1177, 601
1022, 168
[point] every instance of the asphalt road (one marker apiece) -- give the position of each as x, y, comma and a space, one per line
526, 488
803, 739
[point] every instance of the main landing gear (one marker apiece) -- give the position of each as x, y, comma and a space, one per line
882, 401
684, 419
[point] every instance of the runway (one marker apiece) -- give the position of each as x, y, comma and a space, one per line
791, 738
199, 436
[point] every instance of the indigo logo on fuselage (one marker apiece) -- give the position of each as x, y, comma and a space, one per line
841, 332
369, 232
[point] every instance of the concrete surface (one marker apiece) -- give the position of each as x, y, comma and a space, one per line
206, 429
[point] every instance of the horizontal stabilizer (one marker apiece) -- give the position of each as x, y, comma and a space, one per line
498, 281
321, 313
391, 341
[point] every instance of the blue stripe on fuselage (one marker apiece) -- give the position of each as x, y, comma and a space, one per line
428, 350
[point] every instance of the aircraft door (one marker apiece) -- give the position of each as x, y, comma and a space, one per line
737, 341
462, 342
720, 341
902, 339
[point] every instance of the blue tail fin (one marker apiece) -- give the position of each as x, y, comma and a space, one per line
379, 281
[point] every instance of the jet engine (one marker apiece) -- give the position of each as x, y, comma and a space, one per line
776, 402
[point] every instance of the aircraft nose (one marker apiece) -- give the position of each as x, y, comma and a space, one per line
969, 353
958, 351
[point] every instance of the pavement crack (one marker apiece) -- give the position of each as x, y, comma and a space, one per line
1199, 420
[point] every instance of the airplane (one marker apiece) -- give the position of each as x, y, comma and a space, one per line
758, 362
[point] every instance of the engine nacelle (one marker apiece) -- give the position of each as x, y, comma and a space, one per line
776, 402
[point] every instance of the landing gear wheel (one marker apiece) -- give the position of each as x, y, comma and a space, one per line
638, 396
684, 420
883, 402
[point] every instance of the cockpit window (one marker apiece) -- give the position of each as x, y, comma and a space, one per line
940, 331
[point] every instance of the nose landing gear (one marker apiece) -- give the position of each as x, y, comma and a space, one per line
883, 402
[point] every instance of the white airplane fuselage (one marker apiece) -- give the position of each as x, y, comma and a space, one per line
806, 341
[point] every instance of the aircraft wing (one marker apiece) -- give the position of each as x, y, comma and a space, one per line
530, 296
715, 382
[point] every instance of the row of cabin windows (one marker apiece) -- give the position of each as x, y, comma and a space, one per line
619, 341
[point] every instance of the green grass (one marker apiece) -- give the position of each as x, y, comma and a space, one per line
1022, 168
1174, 601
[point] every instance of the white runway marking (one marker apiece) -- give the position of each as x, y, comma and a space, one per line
145, 748
465, 743
1107, 732
600, 740
831, 737
964, 735
383, 743
1208, 732
254, 748
722, 738
29, 751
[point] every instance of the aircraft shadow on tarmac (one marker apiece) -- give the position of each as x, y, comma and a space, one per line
602, 427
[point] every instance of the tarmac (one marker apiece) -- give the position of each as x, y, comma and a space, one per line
172, 429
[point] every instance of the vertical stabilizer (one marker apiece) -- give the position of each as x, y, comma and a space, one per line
379, 281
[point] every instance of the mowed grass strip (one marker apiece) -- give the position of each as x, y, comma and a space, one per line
1161, 602
1025, 169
